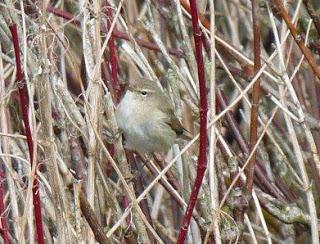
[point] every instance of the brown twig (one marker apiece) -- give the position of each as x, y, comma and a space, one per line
255, 97
24, 108
92, 219
278, 5
202, 158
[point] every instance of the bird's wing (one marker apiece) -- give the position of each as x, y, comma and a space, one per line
176, 125
173, 120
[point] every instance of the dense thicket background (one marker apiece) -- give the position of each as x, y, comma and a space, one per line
77, 58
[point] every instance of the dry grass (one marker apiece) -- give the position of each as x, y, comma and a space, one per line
91, 189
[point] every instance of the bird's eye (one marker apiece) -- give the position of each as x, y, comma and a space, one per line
143, 93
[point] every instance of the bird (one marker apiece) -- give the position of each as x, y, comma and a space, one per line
146, 118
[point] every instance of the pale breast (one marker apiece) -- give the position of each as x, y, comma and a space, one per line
145, 130
127, 113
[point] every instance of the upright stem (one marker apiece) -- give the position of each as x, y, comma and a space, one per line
24, 108
255, 96
213, 178
202, 158
113, 57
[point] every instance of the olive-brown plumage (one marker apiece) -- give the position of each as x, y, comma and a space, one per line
146, 117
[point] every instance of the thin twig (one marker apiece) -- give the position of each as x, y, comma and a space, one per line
279, 6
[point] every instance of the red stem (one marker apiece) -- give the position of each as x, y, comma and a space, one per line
24, 108
118, 34
4, 222
202, 158
113, 57
113, 60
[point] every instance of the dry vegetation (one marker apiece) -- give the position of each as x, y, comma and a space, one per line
65, 176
